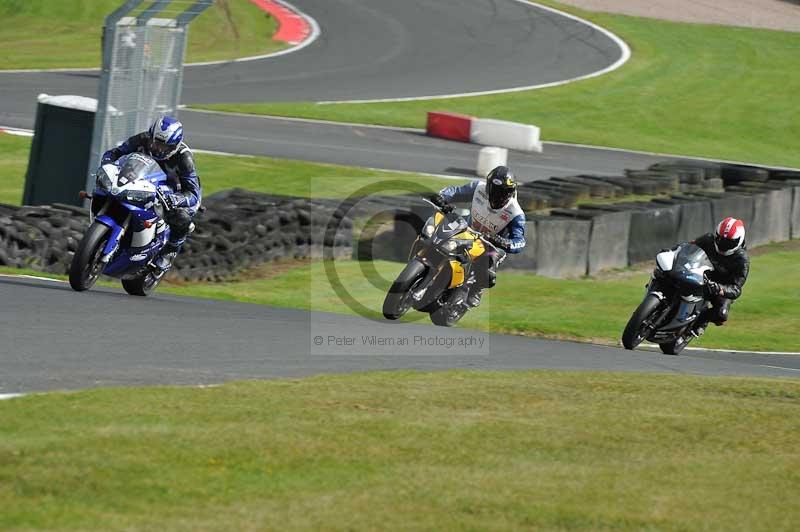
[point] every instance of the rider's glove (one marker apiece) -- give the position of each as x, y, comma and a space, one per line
712, 289
440, 202
174, 201
497, 240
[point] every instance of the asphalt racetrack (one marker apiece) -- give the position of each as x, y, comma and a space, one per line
53, 338
372, 50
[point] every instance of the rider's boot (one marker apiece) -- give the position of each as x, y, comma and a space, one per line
474, 296
698, 328
167, 254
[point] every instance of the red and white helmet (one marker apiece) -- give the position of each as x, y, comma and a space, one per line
729, 237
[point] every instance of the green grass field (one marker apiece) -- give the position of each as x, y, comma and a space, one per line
66, 33
219, 172
690, 89
443, 451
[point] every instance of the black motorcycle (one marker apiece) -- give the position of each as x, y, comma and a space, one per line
439, 273
674, 300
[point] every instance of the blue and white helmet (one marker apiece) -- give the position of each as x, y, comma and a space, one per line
166, 135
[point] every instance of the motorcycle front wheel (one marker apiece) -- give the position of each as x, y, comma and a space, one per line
86, 267
398, 300
636, 331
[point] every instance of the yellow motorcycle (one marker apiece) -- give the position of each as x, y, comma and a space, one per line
439, 273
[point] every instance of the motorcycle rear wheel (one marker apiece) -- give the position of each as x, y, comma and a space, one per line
142, 286
86, 267
635, 331
446, 316
674, 348
398, 299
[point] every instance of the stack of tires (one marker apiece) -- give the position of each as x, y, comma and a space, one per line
238, 230
242, 229
42, 238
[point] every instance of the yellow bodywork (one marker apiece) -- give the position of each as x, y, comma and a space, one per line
457, 278
476, 250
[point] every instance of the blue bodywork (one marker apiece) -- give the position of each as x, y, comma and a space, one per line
126, 260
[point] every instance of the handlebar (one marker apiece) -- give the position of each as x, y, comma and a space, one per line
503, 253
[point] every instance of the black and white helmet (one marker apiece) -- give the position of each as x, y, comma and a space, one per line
501, 185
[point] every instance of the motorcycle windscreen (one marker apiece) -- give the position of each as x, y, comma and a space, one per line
691, 262
136, 167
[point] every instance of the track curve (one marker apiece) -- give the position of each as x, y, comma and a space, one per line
400, 49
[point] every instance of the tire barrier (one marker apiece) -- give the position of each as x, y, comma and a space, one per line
695, 216
609, 241
733, 204
653, 227
242, 229
239, 230
598, 236
562, 246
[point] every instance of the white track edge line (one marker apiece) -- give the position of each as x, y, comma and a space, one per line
653, 346
4, 396
779, 367
626, 55
26, 276
299, 119
315, 33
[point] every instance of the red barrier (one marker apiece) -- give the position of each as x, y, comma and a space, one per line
449, 126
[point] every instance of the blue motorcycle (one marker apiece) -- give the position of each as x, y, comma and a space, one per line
127, 227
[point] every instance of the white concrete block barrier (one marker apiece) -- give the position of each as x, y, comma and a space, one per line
490, 158
505, 134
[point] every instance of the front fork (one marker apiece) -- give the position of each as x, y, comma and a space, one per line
117, 232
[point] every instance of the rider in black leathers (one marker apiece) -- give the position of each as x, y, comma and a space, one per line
726, 250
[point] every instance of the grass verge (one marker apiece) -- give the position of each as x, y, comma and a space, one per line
66, 33
451, 450
13, 165
220, 172
690, 89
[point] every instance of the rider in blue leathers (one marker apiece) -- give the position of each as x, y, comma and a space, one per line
494, 212
164, 143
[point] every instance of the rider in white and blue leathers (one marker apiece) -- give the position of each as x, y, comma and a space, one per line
164, 143
494, 212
